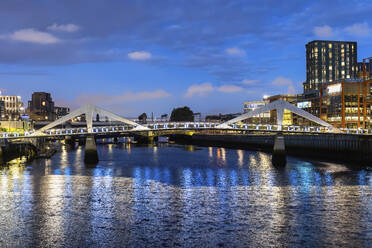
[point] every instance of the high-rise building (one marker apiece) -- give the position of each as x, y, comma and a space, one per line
329, 61
41, 107
12, 107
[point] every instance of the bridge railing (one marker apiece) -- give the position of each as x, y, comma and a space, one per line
184, 126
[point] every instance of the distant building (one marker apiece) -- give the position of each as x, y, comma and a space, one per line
12, 107
61, 111
41, 107
368, 69
263, 118
288, 116
220, 117
328, 61
2, 110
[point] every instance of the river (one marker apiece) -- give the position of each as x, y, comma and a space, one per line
183, 196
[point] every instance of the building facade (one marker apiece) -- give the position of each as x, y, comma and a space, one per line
11, 108
263, 118
41, 107
61, 111
347, 103
329, 61
288, 116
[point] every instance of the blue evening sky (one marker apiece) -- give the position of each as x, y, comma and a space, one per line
151, 56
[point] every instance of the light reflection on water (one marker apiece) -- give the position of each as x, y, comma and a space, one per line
182, 196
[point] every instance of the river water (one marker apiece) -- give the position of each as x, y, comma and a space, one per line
183, 196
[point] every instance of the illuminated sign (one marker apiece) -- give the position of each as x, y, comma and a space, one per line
304, 105
334, 89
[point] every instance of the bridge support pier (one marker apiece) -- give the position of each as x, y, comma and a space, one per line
148, 138
279, 154
91, 155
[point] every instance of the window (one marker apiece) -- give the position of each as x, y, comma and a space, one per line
43, 103
329, 45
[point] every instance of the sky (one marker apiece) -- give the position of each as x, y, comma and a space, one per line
131, 57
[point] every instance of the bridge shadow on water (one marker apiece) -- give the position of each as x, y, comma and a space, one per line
192, 166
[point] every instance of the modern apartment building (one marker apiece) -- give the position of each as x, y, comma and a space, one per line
12, 107
329, 61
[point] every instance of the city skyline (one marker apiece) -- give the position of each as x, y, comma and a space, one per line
147, 57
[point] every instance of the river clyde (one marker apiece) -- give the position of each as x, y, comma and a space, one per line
183, 196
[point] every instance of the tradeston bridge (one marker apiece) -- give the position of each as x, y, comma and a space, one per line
124, 127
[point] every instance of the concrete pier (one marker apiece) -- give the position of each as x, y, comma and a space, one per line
279, 155
91, 155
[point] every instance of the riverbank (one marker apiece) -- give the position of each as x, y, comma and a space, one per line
354, 150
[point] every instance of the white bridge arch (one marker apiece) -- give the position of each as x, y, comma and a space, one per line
279, 106
89, 111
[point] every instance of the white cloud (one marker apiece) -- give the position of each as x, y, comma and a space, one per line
291, 90
199, 90
324, 31
140, 55
358, 29
282, 81
206, 88
32, 36
249, 81
235, 51
70, 28
127, 96
229, 88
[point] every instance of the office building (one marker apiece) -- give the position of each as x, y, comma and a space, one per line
329, 61
41, 107
347, 103
12, 107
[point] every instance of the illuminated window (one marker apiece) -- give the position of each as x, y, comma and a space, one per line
330, 68
330, 55
43, 103
342, 63
343, 72
330, 45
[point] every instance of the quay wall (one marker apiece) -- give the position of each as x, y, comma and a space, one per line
337, 147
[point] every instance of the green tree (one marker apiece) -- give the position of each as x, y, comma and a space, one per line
182, 114
142, 118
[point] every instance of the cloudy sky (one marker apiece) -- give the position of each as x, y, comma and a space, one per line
150, 56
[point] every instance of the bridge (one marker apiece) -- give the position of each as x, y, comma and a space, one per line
128, 127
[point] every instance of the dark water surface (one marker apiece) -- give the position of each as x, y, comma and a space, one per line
183, 196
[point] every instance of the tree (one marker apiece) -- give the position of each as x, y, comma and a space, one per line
142, 118
182, 114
